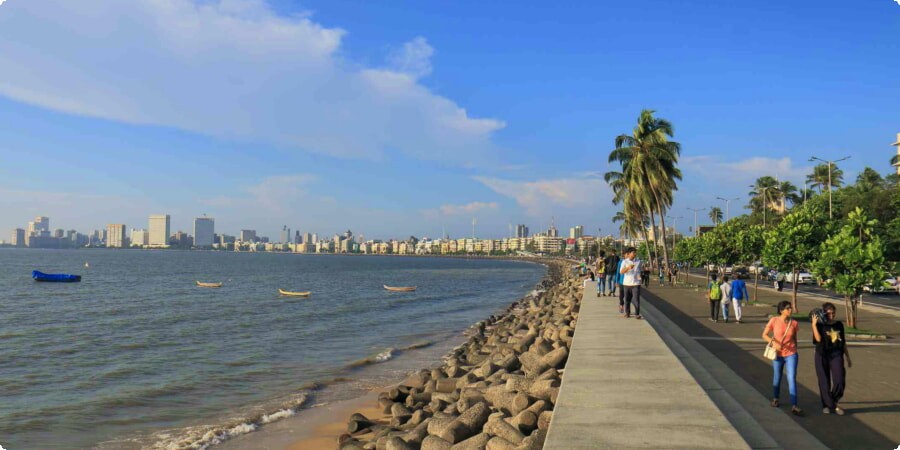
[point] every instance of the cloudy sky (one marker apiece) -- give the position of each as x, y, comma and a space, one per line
398, 118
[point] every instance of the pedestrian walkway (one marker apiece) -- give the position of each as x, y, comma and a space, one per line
872, 396
624, 388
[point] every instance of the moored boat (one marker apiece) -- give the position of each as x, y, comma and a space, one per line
400, 288
294, 294
209, 285
55, 277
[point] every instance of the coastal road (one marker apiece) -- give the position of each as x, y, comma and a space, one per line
888, 300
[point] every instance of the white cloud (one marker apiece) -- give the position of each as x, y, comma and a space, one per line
232, 69
457, 210
276, 195
745, 170
542, 197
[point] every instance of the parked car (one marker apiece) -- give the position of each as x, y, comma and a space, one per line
711, 267
802, 277
890, 284
757, 268
742, 271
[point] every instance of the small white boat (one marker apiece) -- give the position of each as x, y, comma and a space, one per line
400, 288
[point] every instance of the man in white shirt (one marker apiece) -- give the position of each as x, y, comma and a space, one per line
631, 282
726, 297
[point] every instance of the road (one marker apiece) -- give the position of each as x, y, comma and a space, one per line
889, 300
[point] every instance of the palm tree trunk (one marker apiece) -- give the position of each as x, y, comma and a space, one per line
647, 237
662, 223
795, 284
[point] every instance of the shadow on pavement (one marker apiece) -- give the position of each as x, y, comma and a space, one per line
843, 432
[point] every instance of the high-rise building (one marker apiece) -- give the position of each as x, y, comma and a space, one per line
59, 233
140, 237
248, 236
552, 231
315, 238
18, 238
521, 231
204, 231
307, 238
42, 224
576, 232
897, 144
297, 237
115, 235
159, 229
285, 234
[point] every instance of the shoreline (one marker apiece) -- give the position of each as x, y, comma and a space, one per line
323, 426
375, 419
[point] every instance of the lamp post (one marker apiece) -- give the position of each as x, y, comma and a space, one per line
695, 217
674, 230
765, 204
727, 201
830, 163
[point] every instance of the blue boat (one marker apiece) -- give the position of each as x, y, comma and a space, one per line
55, 277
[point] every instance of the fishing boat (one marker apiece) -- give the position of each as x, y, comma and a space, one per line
400, 288
209, 285
294, 294
55, 277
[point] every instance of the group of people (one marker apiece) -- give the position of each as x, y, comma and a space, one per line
722, 295
781, 333
625, 275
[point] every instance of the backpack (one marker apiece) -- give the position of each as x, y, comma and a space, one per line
715, 292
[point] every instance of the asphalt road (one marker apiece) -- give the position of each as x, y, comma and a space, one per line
890, 300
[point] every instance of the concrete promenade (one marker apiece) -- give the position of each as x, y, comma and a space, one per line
625, 388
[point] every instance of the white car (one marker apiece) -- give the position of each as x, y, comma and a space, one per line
890, 284
802, 277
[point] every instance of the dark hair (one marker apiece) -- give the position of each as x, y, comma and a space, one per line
725, 278
783, 305
602, 254
713, 276
827, 305
629, 250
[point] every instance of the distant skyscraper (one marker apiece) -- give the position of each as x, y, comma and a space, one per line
521, 231
307, 238
576, 232
115, 235
140, 237
297, 237
18, 237
285, 234
159, 230
897, 144
42, 224
553, 232
248, 236
204, 231
59, 233
315, 238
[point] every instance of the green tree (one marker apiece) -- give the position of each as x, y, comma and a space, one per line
764, 197
819, 177
869, 180
749, 244
851, 259
715, 214
794, 243
649, 167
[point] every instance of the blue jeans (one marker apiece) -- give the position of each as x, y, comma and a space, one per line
789, 362
601, 285
725, 305
611, 284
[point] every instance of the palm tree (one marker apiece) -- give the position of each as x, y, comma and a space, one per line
763, 194
715, 214
649, 173
789, 193
869, 179
819, 177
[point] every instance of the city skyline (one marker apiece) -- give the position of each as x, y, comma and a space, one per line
122, 121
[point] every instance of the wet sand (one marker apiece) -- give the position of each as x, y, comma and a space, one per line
315, 428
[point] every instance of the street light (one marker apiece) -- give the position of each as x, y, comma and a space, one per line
830, 163
727, 201
674, 230
695, 217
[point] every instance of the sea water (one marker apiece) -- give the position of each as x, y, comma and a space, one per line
138, 356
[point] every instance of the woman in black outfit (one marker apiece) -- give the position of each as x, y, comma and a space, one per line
831, 351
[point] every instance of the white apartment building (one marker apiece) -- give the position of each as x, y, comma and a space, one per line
139, 237
115, 235
204, 231
159, 230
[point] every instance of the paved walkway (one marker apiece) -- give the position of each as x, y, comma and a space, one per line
624, 388
872, 397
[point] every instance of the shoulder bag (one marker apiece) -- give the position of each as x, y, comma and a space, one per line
770, 352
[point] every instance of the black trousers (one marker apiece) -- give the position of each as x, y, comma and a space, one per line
832, 377
632, 295
714, 307
622, 295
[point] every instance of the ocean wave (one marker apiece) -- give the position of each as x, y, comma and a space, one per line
205, 436
418, 345
386, 355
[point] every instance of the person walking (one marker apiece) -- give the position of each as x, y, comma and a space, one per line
645, 275
726, 296
714, 297
784, 340
779, 281
612, 270
831, 351
631, 282
601, 275
738, 295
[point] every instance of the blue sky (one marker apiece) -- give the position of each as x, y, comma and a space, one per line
396, 118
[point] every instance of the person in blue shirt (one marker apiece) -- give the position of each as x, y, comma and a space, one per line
619, 279
738, 294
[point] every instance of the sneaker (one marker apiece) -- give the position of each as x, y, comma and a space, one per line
839, 411
726, 320
826, 411
598, 294
795, 410
638, 317
716, 320
627, 316
621, 310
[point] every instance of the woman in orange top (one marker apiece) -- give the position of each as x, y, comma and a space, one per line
783, 337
